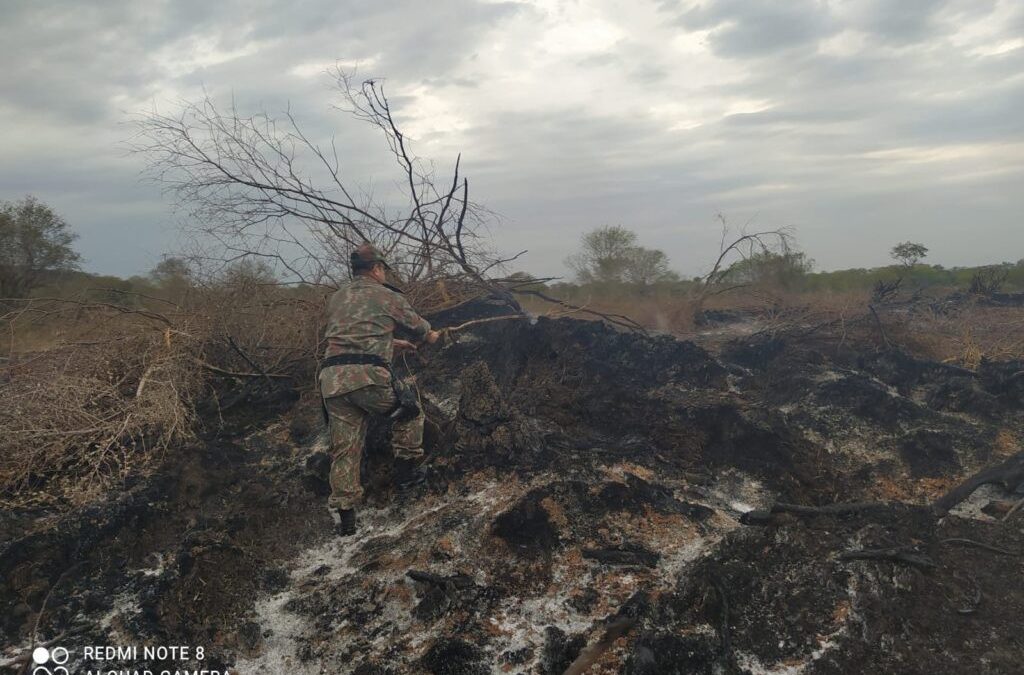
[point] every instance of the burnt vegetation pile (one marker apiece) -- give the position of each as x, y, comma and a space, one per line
592, 498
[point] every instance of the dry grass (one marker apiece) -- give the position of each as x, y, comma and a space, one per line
966, 335
81, 415
95, 392
963, 334
767, 309
669, 315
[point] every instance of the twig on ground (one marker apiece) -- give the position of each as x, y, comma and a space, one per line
245, 357
1013, 509
620, 320
25, 659
1009, 474
474, 322
977, 544
881, 329
232, 373
765, 517
895, 554
589, 656
46, 600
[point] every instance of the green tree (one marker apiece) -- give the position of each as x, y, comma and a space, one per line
604, 255
646, 266
172, 276
609, 254
785, 270
908, 253
171, 270
248, 272
34, 242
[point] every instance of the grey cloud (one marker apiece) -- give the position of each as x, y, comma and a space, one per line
649, 74
601, 60
904, 22
549, 167
439, 82
73, 57
984, 117
70, 60
746, 29
635, 57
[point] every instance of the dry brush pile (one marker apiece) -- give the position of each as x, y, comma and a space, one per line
96, 391
113, 387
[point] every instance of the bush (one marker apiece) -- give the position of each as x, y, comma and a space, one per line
95, 391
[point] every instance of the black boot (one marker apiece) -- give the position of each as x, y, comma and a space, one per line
344, 521
408, 473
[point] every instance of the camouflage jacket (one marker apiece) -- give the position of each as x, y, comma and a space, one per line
361, 319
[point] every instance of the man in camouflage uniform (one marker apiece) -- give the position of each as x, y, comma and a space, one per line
361, 318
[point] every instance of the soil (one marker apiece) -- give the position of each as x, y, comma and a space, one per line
580, 512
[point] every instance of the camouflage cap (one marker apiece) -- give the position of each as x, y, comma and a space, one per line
366, 255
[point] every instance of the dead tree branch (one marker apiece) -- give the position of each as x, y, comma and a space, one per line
620, 320
977, 544
259, 186
881, 328
895, 554
1008, 474
765, 517
735, 247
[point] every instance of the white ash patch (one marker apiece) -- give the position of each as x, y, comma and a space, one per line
448, 405
733, 491
672, 567
753, 665
282, 630
828, 375
331, 565
125, 606
159, 566
524, 622
979, 499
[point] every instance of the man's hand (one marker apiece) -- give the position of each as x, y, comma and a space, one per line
403, 345
432, 337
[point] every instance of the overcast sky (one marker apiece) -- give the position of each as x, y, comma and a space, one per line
860, 123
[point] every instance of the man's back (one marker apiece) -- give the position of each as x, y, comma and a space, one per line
361, 319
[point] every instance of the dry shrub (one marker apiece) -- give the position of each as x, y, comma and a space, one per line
96, 391
442, 293
668, 314
79, 417
967, 334
950, 329
260, 329
112, 388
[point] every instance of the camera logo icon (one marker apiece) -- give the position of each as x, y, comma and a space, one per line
50, 661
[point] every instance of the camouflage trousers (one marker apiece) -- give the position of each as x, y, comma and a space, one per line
349, 415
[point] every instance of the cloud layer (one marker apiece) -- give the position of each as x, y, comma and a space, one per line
859, 122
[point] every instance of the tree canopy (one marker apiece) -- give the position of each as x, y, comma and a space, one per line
609, 254
34, 241
785, 270
909, 253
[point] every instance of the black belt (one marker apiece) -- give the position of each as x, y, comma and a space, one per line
354, 360
406, 401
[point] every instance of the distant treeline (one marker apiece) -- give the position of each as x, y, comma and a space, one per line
170, 280
918, 276
1006, 277
1009, 277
